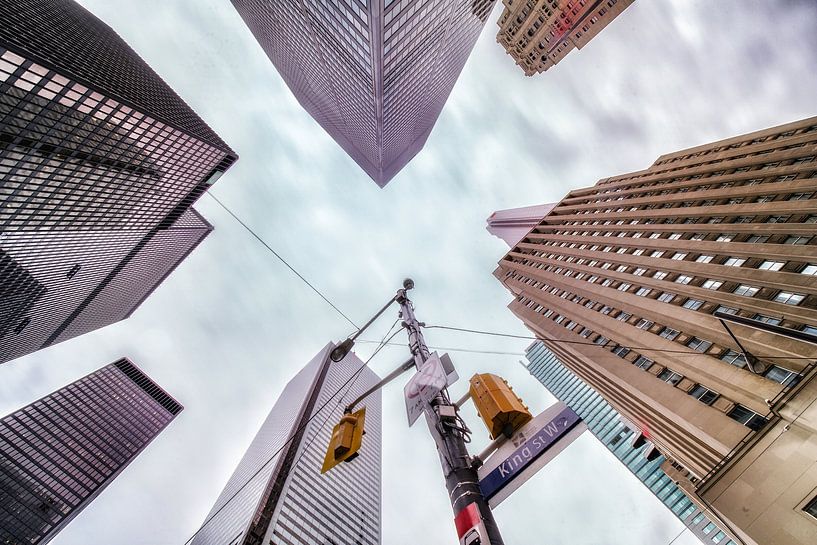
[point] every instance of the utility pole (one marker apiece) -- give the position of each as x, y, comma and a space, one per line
460, 476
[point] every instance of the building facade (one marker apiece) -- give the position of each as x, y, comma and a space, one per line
621, 439
513, 224
539, 33
277, 494
375, 75
621, 281
100, 162
60, 452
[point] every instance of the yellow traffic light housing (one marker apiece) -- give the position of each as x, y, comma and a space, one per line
346, 439
501, 409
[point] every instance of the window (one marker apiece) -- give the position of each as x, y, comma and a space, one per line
734, 358
767, 319
669, 333
659, 253
666, 297
777, 219
698, 344
704, 395
643, 363
796, 239
22, 325
601, 340
747, 417
789, 298
693, 304
811, 507
623, 316
670, 377
726, 237
810, 329
644, 324
624, 286
660, 275
782, 375
748, 291
639, 271
810, 269
705, 258
675, 236
757, 238
73, 271
734, 262
683, 279
621, 351
712, 284
678, 256
771, 265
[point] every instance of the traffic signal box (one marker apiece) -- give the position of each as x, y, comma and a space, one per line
346, 439
501, 410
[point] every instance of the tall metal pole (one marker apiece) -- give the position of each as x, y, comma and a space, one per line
460, 477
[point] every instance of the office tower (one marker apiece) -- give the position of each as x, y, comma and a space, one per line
60, 452
513, 224
277, 493
630, 272
374, 75
621, 439
538, 34
100, 162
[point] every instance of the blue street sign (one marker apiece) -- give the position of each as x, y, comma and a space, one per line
537, 444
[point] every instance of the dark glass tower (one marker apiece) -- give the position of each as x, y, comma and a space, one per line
100, 162
60, 452
277, 494
374, 74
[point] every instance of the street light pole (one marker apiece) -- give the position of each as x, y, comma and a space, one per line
461, 478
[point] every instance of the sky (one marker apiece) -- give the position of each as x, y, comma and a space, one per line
232, 325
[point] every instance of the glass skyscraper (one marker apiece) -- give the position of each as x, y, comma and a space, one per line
277, 494
375, 74
606, 424
100, 162
60, 452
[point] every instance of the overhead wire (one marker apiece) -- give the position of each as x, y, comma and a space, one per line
282, 260
292, 436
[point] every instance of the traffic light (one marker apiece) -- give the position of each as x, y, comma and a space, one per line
501, 410
346, 439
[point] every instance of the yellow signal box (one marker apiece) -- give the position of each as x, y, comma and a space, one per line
501, 409
346, 439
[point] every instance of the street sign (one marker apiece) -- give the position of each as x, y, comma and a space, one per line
528, 450
426, 383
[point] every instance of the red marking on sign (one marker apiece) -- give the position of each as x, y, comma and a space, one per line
467, 519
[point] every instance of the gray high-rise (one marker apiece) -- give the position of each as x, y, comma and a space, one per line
375, 74
277, 494
60, 452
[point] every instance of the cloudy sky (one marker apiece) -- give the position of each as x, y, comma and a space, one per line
232, 325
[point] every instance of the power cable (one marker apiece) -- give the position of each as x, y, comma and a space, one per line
292, 436
452, 349
284, 261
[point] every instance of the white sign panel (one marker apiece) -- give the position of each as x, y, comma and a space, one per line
429, 381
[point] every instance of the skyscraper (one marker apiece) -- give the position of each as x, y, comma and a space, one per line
100, 162
513, 224
277, 494
619, 437
539, 34
621, 281
60, 452
374, 75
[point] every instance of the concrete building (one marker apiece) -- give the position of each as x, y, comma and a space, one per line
277, 494
59, 453
537, 34
513, 224
374, 75
620, 437
621, 281
100, 162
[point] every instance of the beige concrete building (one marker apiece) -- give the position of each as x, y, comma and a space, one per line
539, 33
621, 281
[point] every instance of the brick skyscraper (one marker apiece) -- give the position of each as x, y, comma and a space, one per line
100, 162
630, 272
287, 500
375, 75
538, 34
60, 452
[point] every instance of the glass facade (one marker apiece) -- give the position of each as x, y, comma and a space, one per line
287, 500
374, 74
58, 453
606, 424
100, 162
